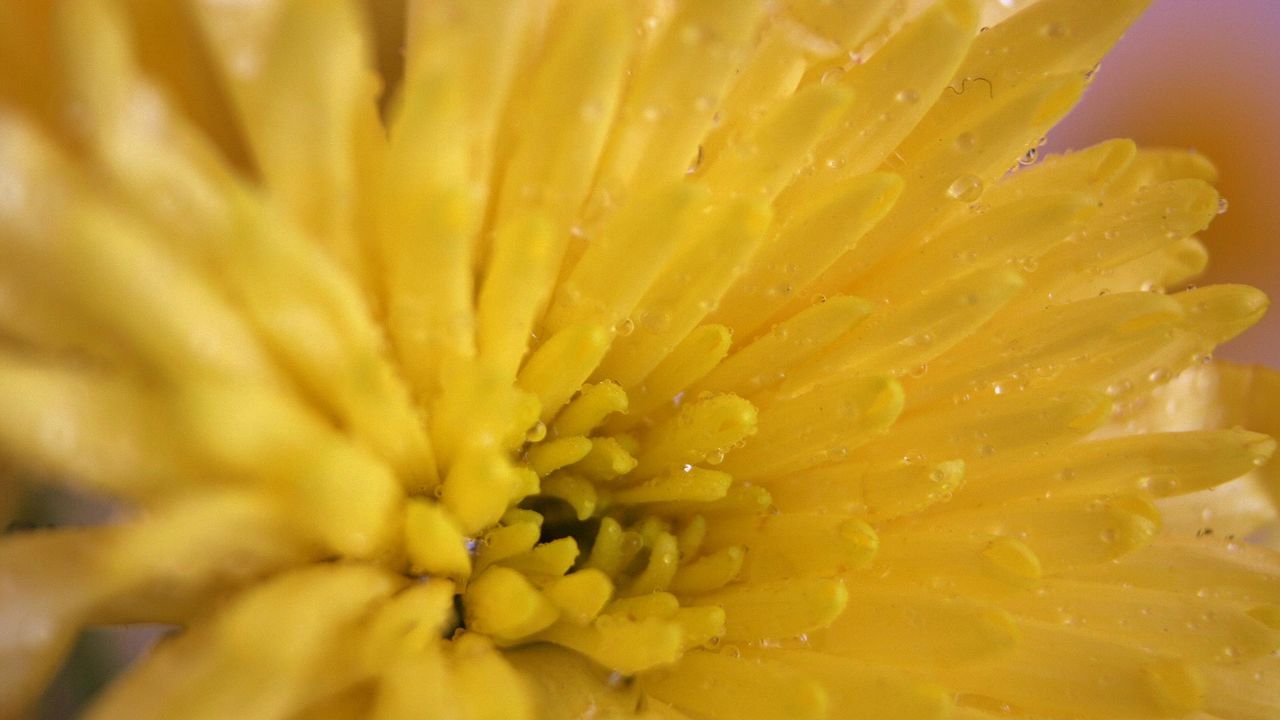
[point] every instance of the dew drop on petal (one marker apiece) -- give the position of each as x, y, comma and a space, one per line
692, 34
591, 111
536, 433
695, 163
966, 188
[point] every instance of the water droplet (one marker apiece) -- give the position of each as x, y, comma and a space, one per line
1029, 157
625, 327
919, 371
1055, 30
1158, 375
1119, 388
715, 457
655, 321
695, 164
591, 110
245, 63
966, 141
536, 433
1048, 371
986, 451
1222, 205
1027, 264
920, 340
907, 96
1161, 486
1088, 74
832, 76
835, 163
966, 188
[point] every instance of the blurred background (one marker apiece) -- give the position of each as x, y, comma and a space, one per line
1205, 74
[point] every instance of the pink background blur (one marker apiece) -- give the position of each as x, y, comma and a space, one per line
1205, 74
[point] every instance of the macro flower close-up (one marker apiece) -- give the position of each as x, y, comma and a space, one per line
707, 359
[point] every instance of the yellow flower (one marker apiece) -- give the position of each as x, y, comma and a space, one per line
505, 358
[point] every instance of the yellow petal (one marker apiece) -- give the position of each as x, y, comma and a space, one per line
433, 541
779, 609
197, 675
719, 686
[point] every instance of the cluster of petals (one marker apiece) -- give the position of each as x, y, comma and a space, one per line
709, 359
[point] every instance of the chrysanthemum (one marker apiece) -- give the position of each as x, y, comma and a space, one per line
707, 358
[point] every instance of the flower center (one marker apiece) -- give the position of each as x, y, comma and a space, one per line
609, 542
